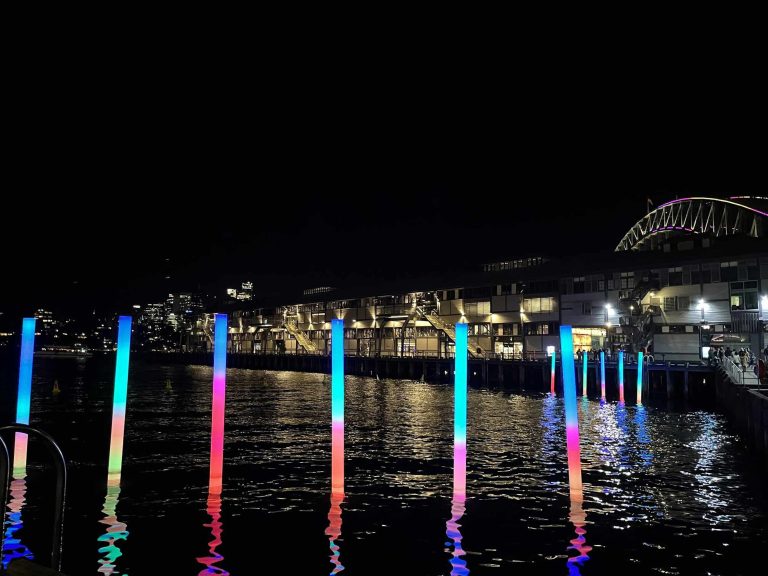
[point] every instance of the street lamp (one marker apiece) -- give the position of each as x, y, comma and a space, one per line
608, 312
703, 326
702, 306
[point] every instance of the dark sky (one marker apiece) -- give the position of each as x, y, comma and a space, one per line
103, 203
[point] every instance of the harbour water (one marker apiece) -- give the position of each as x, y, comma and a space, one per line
666, 492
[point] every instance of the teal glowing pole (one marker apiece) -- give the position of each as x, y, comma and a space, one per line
119, 400
23, 400
460, 414
621, 376
584, 374
602, 375
337, 407
639, 378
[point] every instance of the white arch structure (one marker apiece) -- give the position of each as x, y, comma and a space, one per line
698, 215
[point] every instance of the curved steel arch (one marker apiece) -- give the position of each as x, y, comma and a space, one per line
696, 215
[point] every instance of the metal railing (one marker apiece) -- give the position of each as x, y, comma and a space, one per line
61, 484
738, 374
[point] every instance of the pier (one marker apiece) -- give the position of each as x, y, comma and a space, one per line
681, 380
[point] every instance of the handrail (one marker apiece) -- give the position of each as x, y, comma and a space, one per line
5, 469
61, 487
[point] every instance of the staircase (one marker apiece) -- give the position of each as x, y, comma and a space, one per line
475, 351
642, 329
207, 329
634, 300
301, 338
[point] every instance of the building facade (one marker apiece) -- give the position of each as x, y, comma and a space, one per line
689, 285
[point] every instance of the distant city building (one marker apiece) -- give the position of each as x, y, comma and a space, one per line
514, 264
318, 290
246, 291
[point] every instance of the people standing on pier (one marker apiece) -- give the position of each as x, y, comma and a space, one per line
743, 359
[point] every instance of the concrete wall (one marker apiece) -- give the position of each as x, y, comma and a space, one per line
748, 411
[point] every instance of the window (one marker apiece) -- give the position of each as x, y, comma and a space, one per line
744, 295
676, 276
537, 305
729, 271
578, 285
537, 329
669, 304
683, 303
586, 308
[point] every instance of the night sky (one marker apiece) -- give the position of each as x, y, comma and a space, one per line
125, 210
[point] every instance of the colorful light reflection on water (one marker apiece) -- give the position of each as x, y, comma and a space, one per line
116, 531
213, 509
678, 491
13, 547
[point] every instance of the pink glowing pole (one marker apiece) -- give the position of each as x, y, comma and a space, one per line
621, 376
602, 375
639, 378
219, 391
571, 414
552, 375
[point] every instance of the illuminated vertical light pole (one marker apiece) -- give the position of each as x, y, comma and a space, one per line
119, 400
460, 415
552, 375
602, 375
218, 403
571, 414
639, 378
621, 376
584, 374
337, 407
24, 396
458, 564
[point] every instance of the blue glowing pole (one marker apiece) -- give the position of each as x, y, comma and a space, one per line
552, 375
24, 398
584, 374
